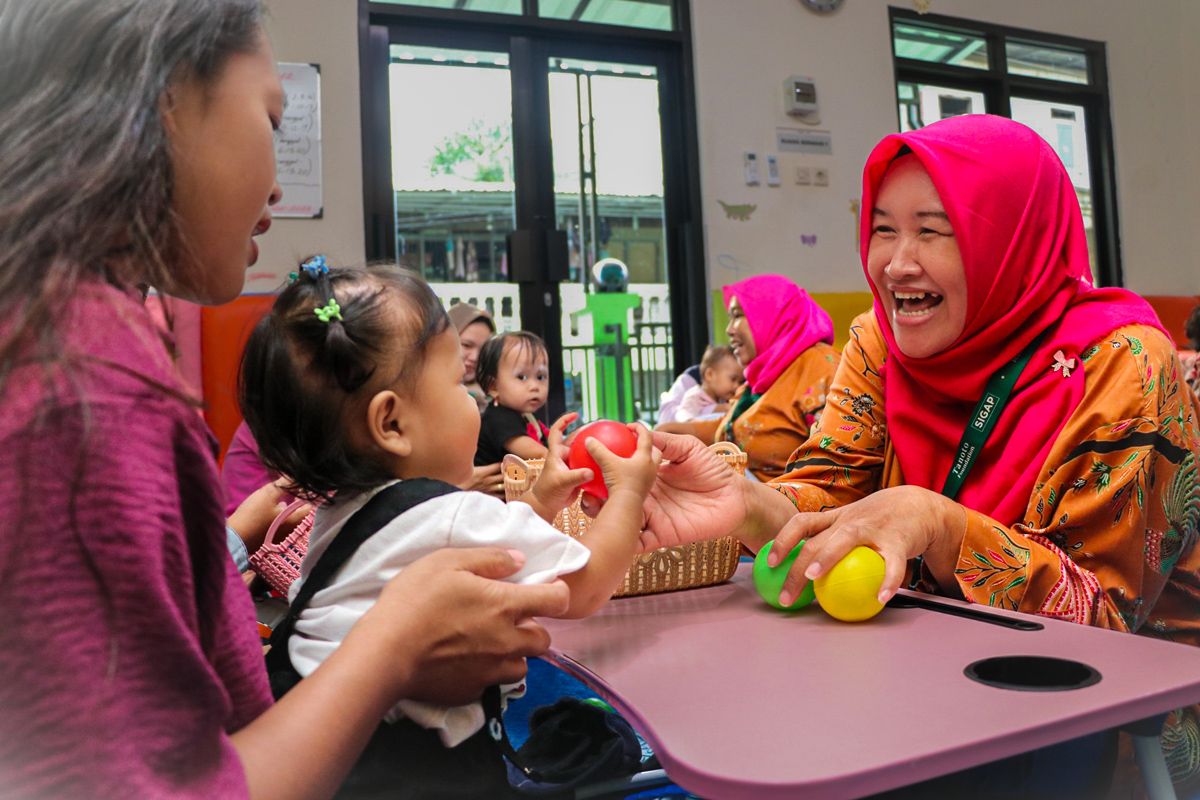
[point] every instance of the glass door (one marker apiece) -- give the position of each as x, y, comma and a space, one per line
527, 175
606, 135
452, 173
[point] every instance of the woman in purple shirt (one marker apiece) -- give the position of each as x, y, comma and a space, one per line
136, 149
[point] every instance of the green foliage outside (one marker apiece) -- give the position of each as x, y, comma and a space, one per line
480, 153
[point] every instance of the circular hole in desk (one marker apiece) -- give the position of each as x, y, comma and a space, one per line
1032, 673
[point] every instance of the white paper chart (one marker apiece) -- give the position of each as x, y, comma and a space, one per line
298, 142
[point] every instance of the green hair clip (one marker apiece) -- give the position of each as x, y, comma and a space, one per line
329, 312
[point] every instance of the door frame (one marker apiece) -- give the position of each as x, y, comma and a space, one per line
530, 43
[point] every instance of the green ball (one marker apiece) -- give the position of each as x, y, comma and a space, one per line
769, 580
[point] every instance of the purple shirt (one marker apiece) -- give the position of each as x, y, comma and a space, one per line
242, 471
128, 649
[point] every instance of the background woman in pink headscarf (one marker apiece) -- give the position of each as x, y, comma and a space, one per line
784, 342
1082, 503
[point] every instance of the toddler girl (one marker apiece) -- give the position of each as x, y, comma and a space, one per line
514, 372
353, 384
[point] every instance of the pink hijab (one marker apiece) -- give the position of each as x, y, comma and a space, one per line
784, 322
1017, 224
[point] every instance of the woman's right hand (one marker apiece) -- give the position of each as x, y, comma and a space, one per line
456, 627
696, 497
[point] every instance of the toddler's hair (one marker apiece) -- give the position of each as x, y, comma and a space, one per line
303, 377
494, 349
714, 354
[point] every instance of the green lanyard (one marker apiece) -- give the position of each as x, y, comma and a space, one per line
987, 411
744, 402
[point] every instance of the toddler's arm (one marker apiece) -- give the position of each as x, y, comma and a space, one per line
613, 536
525, 447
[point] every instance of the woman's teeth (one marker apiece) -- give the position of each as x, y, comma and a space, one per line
915, 304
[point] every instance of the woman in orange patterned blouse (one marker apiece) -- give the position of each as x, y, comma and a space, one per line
1083, 503
784, 341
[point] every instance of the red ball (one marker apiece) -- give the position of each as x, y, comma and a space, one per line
613, 435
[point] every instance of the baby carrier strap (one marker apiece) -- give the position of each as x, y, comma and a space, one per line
362, 525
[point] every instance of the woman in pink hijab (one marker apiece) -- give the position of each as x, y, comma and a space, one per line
998, 428
784, 342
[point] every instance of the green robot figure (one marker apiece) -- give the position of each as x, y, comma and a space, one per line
608, 306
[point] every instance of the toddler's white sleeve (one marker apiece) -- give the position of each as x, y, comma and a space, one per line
485, 521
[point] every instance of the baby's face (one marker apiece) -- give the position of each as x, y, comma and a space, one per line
445, 429
721, 381
523, 380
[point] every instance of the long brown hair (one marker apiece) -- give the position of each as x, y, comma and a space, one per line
85, 170
86, 182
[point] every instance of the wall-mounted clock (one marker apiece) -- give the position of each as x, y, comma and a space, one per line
822, 6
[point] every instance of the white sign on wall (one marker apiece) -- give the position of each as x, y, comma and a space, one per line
298, 143
794, 140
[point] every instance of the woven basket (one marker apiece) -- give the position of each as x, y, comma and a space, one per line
663, 570
279, 562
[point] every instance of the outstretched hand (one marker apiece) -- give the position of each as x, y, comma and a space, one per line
696, 497
635, 474
899, 523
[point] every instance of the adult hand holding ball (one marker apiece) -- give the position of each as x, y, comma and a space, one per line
850, 591
613, 435
769, 580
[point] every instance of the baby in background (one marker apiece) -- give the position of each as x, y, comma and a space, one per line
720, 377
514, 372
353, 383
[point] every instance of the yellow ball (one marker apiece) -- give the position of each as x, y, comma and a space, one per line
850, 591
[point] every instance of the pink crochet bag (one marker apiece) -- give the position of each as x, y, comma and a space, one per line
278, 563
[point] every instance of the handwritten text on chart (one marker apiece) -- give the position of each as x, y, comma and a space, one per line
298, 143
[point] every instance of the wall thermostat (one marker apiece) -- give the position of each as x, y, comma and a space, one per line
800, 98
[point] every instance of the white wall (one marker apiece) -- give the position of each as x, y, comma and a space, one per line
743, 51
323, 32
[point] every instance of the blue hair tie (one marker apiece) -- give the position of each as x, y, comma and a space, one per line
315, 267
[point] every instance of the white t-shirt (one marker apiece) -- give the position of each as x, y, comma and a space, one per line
669, 402
459, 519
696, 404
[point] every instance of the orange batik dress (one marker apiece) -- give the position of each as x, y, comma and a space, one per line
771, 425
1108, 537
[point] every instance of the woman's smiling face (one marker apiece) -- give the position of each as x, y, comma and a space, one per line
914, 262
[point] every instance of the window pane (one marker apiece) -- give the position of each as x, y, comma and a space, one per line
940, 45
1051, 63
491, 6
452, 172
923, 103
654, 14
608, 188
1065, 128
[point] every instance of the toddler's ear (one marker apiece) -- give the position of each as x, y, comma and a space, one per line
388, 424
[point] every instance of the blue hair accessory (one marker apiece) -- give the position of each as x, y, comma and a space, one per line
329, 312
315, 266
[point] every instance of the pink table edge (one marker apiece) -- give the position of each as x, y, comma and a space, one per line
884, 776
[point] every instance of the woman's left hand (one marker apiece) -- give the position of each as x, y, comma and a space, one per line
487, 479
256, 513
899, 523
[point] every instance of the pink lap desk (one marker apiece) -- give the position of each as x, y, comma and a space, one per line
741, 701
